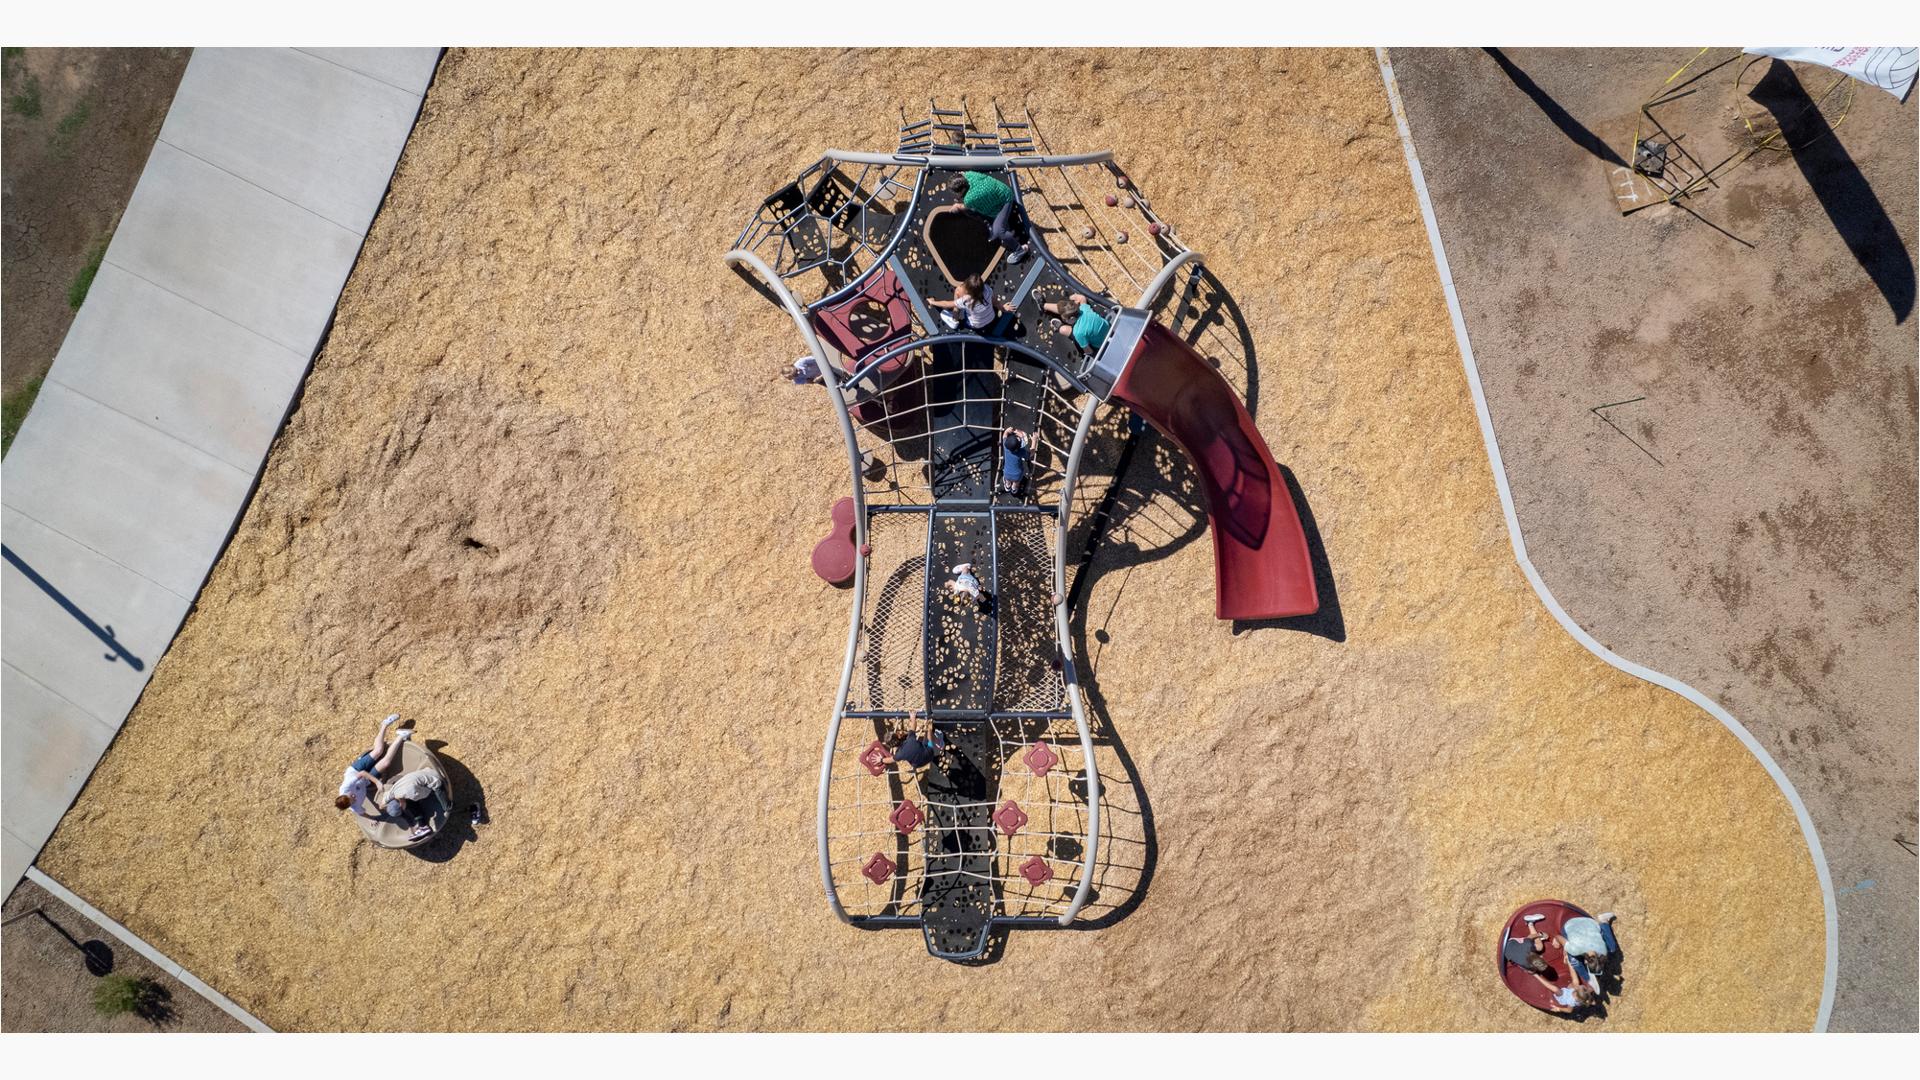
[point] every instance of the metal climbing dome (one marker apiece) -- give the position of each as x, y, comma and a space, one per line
1002, 828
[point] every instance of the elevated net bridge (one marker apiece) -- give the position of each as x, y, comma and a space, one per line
1002, 828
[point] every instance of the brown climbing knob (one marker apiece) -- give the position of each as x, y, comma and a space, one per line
1113, 200
1154, 228
1041, 758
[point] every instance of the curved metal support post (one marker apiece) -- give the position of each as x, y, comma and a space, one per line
893, 243
1165, 277
759, 267
1067, 671
971, 161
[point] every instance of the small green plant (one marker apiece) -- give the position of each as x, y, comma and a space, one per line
76, 118
118, 995
13, 411
82, 281
27, 101
61, 138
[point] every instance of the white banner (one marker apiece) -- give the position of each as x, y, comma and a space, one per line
1890, 69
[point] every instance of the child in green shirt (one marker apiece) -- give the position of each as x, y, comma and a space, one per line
992, 199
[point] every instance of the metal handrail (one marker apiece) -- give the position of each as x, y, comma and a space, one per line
872, 363
1160, 280
760, 269
1068, 674
972, 161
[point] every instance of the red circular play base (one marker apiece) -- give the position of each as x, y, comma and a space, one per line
1519, 979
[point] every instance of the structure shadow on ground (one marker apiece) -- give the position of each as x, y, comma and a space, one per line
1326, 622
1574, 130
104, 633
467, 795
1836, 181
1140, 502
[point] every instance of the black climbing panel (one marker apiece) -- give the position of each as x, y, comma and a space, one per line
957, 894
963, 411
960, 633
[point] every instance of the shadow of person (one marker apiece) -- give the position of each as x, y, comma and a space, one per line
1574, 130
467, 797
1836, 181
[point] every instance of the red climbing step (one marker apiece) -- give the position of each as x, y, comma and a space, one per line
875, 757
835, 558
907, 817
1036, 871
1010, 817
1041, 758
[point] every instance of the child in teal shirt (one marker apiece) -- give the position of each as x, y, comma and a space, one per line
1079, 321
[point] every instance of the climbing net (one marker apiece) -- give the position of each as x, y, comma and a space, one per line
929, 422
1117, 248
1033, 796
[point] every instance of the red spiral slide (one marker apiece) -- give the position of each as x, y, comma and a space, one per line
1261, 566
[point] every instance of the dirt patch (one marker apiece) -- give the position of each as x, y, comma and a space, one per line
493, 516
47, 986
77, 127
552, 242
1768, 556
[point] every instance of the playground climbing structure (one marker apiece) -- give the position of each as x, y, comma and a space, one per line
1002, 828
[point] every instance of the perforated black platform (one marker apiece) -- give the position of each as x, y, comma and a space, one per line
957, 899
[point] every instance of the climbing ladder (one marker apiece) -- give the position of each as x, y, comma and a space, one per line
947, 130
1015, 137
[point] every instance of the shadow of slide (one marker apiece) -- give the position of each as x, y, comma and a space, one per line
1326, 622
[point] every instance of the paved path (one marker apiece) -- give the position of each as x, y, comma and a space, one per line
141, 451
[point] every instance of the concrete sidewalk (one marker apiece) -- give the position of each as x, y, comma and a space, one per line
140, 453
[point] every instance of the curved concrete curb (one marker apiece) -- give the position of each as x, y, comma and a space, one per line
1546, 595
